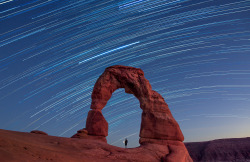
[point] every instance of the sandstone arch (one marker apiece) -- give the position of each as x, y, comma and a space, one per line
157, 124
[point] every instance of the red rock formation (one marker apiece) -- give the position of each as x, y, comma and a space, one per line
96, 124
177, 153
157, 120
83, 134
158, 127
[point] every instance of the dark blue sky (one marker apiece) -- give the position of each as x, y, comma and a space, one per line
196, 54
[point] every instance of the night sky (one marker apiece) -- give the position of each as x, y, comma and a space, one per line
195, 53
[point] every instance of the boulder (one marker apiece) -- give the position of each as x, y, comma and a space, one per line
38, 132
83, 134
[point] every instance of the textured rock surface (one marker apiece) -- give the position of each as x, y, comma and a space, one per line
38, 132
177, 153
83, 134
22, 147
223, 150
158, 125
96, 123
157, 120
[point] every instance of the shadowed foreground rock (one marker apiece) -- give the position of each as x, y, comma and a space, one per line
221, 150
29, 147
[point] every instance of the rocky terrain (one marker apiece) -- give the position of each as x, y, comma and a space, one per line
39, 147
221, 150
36, 147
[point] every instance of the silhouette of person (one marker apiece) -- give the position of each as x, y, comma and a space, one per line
126, 142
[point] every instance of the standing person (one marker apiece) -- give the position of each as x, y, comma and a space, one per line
126, 142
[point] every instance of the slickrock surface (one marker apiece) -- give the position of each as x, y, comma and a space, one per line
29, 147
221, 150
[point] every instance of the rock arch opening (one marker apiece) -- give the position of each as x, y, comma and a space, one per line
123, 115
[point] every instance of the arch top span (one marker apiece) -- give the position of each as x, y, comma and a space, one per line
157, 122
114, 77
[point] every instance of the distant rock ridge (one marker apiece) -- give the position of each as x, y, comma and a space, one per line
158, 126
221, 150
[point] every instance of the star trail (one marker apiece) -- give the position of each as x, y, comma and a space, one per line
196, 54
